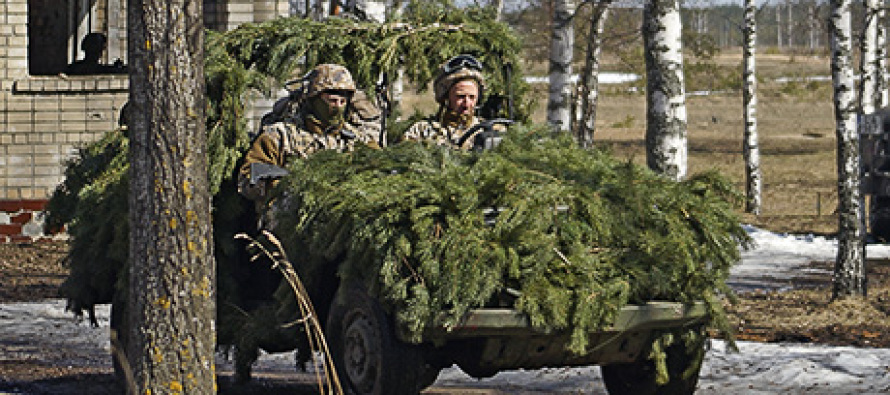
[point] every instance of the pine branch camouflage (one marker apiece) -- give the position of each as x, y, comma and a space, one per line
579, 235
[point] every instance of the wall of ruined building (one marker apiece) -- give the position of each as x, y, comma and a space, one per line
45, 118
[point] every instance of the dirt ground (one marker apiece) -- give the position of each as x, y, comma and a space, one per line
30, 272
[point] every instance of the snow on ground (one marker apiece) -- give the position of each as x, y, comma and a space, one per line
758, 368
779, 257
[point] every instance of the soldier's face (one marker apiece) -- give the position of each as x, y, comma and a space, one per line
463, 96
334, 100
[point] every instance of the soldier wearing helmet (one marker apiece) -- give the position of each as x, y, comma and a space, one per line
458, 88
326, 113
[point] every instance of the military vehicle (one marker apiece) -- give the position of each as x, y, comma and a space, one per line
373, 356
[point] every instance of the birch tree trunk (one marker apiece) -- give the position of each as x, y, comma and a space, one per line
789, 24
666, 148
849, 270
868, 61
561, 51
321, 10
813, 24
172, 280
779, 25
498, 6
590, 76
751, 147
883, 75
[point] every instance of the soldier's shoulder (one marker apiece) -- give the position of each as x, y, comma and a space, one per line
281, 129
363, 107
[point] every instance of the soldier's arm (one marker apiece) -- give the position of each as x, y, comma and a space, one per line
367, 133
263, 150
416, 132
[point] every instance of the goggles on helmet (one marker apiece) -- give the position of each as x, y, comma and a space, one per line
461, 61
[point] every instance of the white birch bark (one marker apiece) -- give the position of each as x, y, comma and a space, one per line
868, 65
666, 148
561, 47
321, 10
751, 147
374, 11
590, 77
883, 75
789, 24
849, 271
813, 24
779, 25
498, 6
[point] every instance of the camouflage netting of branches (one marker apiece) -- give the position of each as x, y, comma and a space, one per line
92, 201
258, 57
625, 235
578, 233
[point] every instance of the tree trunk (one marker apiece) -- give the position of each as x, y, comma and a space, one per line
849, 270
789, 24
590, 76
498, 6
813, 24
374, 11
868, 64
172, 274
883, 75
665, 90
561, 51
322, 9
751, 148
779, 25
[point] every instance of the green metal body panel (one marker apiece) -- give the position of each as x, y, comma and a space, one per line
495, 339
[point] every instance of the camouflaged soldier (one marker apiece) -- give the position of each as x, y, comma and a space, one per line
328, 113
458, 89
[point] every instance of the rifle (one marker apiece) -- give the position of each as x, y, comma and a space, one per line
260, 171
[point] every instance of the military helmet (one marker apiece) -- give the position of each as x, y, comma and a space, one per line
456, 69
327, 77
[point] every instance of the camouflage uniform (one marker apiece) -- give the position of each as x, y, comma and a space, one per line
443, 130
293, 132
447, 128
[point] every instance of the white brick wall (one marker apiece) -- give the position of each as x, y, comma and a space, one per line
43, 119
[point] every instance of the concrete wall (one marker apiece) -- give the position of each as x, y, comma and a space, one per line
44, 118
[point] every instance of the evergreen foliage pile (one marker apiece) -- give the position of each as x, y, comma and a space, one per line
577, 233
256, 58
92, 201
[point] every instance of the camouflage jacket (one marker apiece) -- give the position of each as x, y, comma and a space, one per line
288, 138
434, 131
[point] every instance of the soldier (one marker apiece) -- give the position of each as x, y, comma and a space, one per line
458, 89
328, 113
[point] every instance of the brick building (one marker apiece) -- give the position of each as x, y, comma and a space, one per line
48, 107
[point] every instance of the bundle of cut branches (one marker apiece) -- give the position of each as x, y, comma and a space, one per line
576, 234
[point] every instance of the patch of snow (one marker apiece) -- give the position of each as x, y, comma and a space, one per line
758, 368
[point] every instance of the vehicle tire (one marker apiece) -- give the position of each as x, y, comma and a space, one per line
369, 359
639, 378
